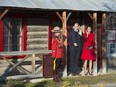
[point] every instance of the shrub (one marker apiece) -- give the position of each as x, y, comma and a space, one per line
14, 83
66, 84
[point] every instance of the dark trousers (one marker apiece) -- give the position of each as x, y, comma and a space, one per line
56, 63
74, 60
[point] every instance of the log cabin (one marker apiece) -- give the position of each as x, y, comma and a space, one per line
27, 25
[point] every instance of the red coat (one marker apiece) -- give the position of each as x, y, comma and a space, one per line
88, 54
56, 48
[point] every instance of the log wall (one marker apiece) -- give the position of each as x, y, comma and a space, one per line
37, 34
37, 39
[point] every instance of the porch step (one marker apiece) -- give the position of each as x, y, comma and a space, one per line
21, 77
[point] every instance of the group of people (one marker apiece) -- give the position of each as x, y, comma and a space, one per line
81, 47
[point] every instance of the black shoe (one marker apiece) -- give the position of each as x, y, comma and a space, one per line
55, 80
78, 74
86, 73
59, 78
91, 73
73, 74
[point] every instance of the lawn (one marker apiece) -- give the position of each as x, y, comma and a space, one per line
83, 81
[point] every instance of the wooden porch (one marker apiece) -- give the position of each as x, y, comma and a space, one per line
97, 19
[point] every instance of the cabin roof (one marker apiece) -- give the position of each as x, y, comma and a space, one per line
79, 5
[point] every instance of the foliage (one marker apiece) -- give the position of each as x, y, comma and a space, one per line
15, 83
66, 84
83, 81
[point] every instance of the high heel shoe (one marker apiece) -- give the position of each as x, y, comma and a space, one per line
90, 72
85, 73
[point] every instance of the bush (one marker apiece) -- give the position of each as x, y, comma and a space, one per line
66, 84
14, 83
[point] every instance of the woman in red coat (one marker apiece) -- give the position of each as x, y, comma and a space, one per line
88, 50
56, 53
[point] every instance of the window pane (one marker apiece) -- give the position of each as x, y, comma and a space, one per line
12, 34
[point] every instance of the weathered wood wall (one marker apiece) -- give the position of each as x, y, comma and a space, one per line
37, 39
111, 42
37, 34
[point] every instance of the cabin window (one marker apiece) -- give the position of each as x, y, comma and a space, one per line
12, 34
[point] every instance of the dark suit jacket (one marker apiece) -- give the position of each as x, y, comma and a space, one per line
74, 37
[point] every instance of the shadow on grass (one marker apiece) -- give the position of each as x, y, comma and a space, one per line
14, 83
48, 84
41, 84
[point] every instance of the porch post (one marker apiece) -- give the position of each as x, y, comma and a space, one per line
33, 63
103, 43
95, 32
64, 41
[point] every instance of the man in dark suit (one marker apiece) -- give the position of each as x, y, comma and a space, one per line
75, 49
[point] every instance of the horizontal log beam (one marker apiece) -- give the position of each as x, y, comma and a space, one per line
37, 45
37, 32
37, 39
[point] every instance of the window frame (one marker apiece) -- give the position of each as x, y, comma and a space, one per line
24, 32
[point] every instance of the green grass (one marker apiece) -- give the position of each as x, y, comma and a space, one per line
94, 79
84, 81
